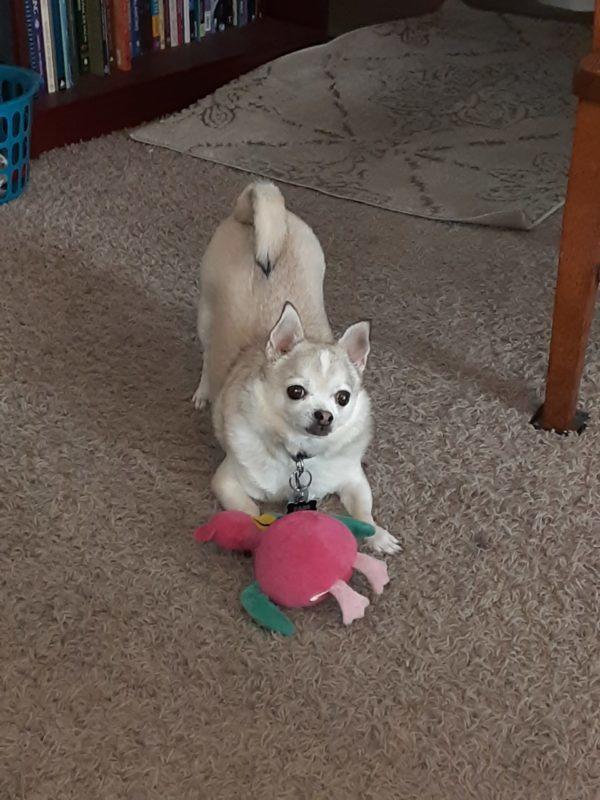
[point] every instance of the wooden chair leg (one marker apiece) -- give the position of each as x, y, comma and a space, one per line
578, 276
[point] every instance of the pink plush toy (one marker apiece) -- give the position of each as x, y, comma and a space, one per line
298, 560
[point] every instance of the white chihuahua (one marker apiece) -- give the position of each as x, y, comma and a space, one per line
279, 384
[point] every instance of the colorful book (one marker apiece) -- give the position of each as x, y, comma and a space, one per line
184, 31
49, 60
162, 26
155, 6
82, 36
136, 41
35, 41
121, 33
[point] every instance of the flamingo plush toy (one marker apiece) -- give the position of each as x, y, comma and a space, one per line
298, 560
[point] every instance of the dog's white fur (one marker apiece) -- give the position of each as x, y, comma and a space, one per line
263, 259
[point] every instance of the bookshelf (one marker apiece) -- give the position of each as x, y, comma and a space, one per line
164, 81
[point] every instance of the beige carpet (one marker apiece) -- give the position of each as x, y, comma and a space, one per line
459, 115
128, 669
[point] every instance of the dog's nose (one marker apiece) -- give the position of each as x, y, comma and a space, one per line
324, 418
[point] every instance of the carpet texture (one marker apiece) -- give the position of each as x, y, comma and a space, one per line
459, 115
128, 669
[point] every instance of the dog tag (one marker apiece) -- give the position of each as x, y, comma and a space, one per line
300, 481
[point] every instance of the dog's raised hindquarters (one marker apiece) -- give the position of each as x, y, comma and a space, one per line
278, 382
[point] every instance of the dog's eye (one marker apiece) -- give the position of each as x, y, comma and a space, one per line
296, 392
342, 398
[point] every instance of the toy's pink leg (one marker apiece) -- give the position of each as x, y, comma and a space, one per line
375, 571
352, 604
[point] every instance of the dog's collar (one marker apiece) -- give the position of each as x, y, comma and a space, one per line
300, 456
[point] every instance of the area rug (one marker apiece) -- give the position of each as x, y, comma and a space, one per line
128, 670
461, 115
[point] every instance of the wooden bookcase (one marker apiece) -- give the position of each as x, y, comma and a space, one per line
167, 80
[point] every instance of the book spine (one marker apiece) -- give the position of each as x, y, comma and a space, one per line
110, 32
35, 42
172, 16
65, 43
105, 34
59, 58
208, 18
251, 10
49, 61
201, 20
180, 12
136, 41
82, 36
191, 4
155, 11
121, 33
236, 12
192, 7
73, 48
162, 20
145, 25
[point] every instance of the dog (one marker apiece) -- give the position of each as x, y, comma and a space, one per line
281, 388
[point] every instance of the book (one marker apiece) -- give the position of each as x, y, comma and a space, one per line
99, 64
72, 41
121, 33
194, 20
65, 44
201, 21
35, 42
155, 16
109, 31
208, 17
82, 36
57, 46
180, 12
49, 60
134, 22
7, 43
145, 13
161, 24
173, 28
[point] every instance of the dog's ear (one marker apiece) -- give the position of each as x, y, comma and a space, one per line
357, 344
286, 334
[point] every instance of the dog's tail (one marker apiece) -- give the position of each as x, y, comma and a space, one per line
261, 205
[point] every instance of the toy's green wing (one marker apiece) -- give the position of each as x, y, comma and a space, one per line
361, 530
266, 613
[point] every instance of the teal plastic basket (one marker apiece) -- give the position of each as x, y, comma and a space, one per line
17, 89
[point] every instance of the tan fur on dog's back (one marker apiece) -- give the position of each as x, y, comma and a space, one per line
239, 304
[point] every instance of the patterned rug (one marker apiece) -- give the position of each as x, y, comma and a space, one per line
462, 115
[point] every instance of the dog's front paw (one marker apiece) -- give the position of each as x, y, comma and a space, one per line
200, 400
383, 542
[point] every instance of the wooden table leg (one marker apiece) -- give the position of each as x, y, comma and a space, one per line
578, 275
